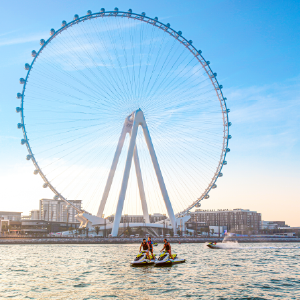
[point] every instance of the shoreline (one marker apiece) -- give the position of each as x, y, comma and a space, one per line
83, 240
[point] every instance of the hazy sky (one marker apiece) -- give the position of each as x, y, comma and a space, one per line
254, 48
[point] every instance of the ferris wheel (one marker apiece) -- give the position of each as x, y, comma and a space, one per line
106, 67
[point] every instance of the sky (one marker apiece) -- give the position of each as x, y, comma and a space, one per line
253, 46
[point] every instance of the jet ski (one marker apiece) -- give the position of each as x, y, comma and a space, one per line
165, 260
213, 245
142, 260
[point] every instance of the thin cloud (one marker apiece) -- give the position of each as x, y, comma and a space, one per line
21, 40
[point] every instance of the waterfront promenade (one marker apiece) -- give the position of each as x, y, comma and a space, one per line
99, 240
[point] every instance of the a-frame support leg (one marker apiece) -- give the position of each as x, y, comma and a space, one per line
140, 120
126, 129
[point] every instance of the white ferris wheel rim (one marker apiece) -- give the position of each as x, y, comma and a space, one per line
168, 30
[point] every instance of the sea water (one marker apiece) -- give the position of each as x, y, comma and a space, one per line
248, 271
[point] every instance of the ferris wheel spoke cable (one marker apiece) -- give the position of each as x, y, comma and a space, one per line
93, 174
67, 75
78, 159
95, 64
181, 166
88, 78
68, 153
107, 52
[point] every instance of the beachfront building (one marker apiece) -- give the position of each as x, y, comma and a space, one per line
272, 225
10, 215
156, 217
58, 211
243, 221
33, 215
42, 227
10, 222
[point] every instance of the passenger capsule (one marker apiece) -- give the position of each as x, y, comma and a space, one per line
229, 137
22, 80
89, 12
35, 172
76, 17
227, 150
19, 96
18, 109
28, 157
143, 14
198, 205
220, 175
52, 31
179, 33
33, 53
45, 185
168, 25
229, 124
63, 23
190, 42
224, 98
23, 141
224, 163
208, 62
220, 86
228, 110
20, 125
116, 9
156, 18
206, 197
42, 42
215, 74
129, 10
55, 197
102, 10
199, 51
214, 186
27, 67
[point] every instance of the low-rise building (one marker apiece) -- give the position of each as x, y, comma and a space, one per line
58, 211
10, 222
42, 227
272, 225
239, 220
156, 217
10, 215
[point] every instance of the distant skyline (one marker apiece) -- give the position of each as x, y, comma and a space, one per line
253, 46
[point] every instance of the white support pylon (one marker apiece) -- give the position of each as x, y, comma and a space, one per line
139, 119
140, 185
126, 129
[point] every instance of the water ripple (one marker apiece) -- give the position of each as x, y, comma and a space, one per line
102, 272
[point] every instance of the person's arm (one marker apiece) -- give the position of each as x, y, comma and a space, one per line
140, 247
163, 248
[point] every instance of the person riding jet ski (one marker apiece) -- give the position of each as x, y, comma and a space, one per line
150, 243
212, 245
167, 247
166, 258
146, 248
